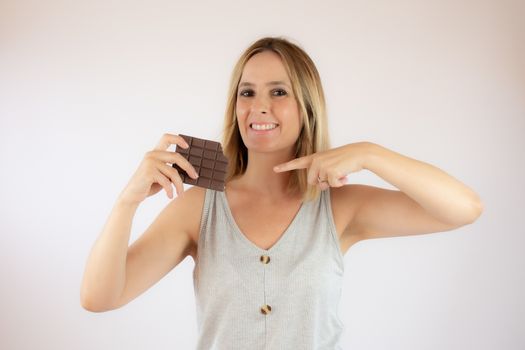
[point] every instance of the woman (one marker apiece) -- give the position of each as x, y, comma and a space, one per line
269, 249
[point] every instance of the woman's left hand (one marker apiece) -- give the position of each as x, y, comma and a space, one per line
329, 168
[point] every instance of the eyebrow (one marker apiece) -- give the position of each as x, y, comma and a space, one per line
275, 82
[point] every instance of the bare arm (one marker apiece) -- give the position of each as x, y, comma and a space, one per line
427, 189
104, 275
115, 274
428, 200
167, 241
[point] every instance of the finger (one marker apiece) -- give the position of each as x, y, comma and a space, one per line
185, 165
174, 176
334, 179
323, 186
315, 173
163, 181
170, 139
176, 158
297, 163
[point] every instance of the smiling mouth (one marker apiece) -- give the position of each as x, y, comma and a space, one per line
263, 126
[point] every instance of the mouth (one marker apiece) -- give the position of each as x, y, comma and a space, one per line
263, 126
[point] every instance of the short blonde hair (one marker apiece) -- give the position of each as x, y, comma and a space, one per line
308, 91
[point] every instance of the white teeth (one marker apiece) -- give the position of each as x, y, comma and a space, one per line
264, 126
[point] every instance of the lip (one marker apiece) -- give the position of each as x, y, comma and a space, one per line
263, 122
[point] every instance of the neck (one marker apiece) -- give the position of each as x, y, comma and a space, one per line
259, 177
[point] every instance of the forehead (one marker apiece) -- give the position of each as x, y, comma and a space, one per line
264, 66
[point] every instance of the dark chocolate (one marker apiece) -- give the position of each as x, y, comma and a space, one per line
208, 160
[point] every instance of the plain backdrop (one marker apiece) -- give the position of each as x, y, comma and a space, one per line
88, 87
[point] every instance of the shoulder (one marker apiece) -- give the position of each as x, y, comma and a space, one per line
194, 196
344, 198
344, 202
188, 209
350, 194
350, 197
347, 200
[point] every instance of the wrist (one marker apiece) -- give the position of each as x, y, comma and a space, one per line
126, 204
371, 155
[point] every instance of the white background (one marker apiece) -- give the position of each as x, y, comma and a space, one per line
87, 87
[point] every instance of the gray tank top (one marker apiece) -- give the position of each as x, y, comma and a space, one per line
284, 298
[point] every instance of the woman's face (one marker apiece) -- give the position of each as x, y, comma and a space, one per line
267, 112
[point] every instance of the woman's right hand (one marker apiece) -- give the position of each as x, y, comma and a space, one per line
154, 173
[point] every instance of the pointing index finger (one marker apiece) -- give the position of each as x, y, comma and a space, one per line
297, 163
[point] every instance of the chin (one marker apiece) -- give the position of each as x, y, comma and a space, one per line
267, 144
261, 148
269, 148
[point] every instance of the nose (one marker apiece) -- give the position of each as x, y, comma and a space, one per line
261, 104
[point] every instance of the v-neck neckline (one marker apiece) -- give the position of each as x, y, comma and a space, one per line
243, 237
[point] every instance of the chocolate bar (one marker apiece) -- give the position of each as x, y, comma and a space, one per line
208, 160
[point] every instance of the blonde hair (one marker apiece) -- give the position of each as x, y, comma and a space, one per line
308, 91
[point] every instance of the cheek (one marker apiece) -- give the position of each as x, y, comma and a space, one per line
240, 110
241, 115
291, 112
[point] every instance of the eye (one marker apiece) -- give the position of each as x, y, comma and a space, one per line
246, 93
249, 92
